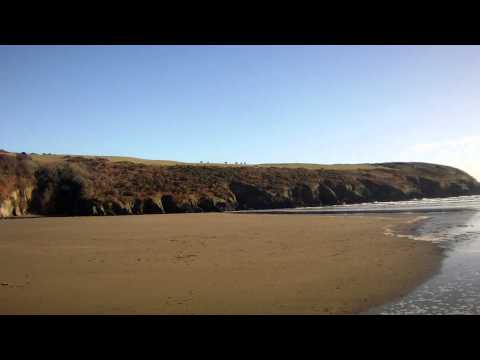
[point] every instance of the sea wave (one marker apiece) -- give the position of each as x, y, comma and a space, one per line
415, 205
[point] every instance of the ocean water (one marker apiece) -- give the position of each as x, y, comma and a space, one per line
455, 289
451, 223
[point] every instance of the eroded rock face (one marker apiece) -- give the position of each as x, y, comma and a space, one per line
153, 206
341, 192
430, 188
17, 203
214, 204
458, 189
250, 197
381, 192
326, 195
304, 195
170, 204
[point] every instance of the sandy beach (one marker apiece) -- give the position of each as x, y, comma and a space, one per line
213, 263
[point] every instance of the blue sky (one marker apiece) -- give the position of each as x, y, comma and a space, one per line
318, 104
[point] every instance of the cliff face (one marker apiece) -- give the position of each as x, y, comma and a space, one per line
16, 184
16, 203
80, 186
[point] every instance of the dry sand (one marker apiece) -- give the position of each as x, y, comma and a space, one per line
207, 264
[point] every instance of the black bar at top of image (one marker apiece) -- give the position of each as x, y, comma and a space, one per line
224, 34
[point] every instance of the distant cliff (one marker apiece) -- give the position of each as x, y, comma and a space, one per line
98, 186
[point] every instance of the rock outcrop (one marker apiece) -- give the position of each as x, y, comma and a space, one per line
81, 186
16, 203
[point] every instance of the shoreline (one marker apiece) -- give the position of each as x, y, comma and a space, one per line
454, 289
210, 264
408, 230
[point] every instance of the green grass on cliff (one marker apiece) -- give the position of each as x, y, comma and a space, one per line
340, 167
47, 159
53, 158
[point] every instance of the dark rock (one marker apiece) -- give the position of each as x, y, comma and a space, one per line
458, 189
326, 196
153, 206
207, 205
430, 188
170, 204
98, 210
250, 197
343, 191
302, 195
137, 207
382, 191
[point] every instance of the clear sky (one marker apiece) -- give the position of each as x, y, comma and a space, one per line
259, 104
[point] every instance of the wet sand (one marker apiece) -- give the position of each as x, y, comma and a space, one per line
208, 264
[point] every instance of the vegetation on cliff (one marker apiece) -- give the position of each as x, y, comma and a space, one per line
99, 186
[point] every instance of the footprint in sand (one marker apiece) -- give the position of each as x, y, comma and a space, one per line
186, 258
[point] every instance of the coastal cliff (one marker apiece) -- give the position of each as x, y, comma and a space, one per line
99, 186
